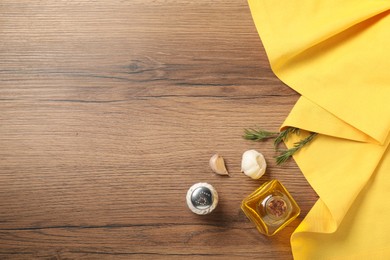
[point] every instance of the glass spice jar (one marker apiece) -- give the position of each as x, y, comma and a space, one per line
270, 207
202, 198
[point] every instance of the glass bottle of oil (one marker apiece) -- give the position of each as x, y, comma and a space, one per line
270, 207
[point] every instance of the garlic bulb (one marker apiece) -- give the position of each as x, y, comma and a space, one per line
217, 164
253, 164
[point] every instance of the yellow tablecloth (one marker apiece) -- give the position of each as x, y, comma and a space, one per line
336, 54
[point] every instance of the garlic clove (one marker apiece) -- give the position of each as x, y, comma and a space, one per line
253, 164
217, 164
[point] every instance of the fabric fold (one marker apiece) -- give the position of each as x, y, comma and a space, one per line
311, 117
324, 19
331, 53
330, 162
350, 220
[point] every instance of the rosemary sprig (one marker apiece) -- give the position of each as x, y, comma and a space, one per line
257, 135
283, 157
283, 136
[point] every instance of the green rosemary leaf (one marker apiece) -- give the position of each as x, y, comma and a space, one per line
257, 135
286, 154
283, 136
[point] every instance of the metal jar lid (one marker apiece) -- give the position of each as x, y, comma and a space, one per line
202, 198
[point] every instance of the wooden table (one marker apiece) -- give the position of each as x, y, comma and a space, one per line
110, 111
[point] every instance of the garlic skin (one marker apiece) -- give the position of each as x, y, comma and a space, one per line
217, 165
253, 164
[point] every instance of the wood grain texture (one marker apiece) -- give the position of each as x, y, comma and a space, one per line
110, 111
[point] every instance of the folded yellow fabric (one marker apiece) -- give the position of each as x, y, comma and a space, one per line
336, 54
351, 218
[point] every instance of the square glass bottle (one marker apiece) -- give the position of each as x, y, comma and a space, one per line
270, 207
